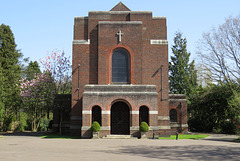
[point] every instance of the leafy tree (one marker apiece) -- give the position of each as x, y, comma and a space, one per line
183, 76
210, 110
60, 68
10, 74
58, 65
219, 52
37, 94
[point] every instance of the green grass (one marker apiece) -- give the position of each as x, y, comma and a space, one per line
56, 136
185, 136
238, 139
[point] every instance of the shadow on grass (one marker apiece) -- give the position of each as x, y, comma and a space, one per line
230, 140
184, 136
25, 133
44, 135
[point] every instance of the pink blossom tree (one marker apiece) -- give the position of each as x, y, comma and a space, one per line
59, 66
37, 94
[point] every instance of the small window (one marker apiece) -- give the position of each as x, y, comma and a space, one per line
143, 114
97, 114
173, 115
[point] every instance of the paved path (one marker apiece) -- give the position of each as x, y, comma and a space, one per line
32, 148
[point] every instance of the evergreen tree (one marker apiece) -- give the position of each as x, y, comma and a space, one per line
32, 69
183, 76
1, 92
10, 74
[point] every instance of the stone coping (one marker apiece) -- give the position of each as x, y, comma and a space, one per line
158, 42
177, 100
119, 92
123, 89
159, 18
176, 95
112, 87
120, 22
164, 118
82, 18
120, 12
120, 89
81, 42
124, 12
172, 124
119, 85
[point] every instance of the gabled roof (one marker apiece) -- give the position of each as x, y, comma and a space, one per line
120, 7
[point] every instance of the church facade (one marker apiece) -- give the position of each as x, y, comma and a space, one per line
120, 75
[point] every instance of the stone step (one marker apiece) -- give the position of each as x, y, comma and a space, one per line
118, 137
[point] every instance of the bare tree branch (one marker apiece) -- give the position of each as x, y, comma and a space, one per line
220, 51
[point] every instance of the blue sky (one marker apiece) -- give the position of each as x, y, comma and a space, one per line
41, 26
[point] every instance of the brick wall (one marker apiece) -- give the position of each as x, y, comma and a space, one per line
145, 39
179, 103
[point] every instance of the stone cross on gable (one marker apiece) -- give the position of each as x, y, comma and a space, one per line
119, 35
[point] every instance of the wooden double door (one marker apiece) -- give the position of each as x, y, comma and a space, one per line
120, 119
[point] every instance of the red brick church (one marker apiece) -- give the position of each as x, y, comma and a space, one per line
120, 75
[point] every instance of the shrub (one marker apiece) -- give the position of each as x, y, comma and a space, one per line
7, 126
95, 126
50, 124
229, 128
44, 123
238, 139
23, 121
144, 127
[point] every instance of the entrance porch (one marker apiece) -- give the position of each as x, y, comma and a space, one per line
119, 109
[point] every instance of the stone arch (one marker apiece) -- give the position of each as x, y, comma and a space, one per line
95, 104
145, 104
97, 114
127, 100
144, 114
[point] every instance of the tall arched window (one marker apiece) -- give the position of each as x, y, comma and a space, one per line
97, 114
173, 115
144, 114
120, 67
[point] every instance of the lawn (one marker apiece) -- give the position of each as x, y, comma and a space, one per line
56, 136
185, 136
173, 137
